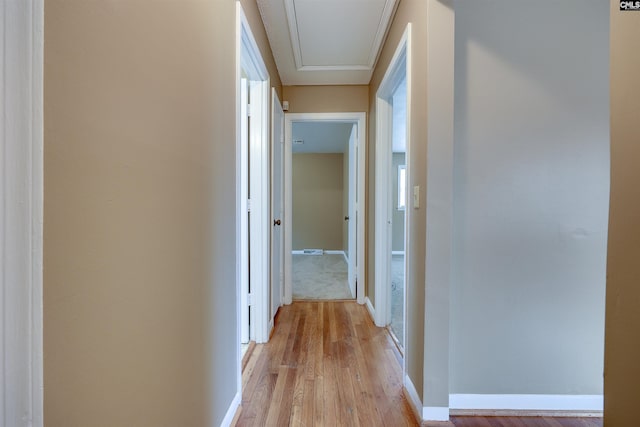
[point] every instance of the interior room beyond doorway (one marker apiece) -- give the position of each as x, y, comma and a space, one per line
320, 209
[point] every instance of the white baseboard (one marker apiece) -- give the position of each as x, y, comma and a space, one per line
435, 413
423, 413
412, 396
231, 412
335, 253
526, 402
297, 252
397, 253
370, 309
346, 258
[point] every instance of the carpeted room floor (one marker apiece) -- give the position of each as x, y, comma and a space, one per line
320, 277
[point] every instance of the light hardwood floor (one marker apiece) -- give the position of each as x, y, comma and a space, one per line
327, 364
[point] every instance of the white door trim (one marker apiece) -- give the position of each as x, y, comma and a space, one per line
260, 182
361, 120
399, 68
249, 59
21, 214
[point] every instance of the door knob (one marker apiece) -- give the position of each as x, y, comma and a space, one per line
346, 218
276, 222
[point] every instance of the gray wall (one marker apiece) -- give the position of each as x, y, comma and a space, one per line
317, 191
530, 197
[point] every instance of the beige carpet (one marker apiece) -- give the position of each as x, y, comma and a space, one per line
320, 277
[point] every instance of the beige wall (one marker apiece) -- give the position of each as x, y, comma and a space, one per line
251, 11
139, 212
622, 371
414, 11
317, 201
326, 99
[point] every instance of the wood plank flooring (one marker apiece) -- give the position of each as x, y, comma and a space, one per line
327, 364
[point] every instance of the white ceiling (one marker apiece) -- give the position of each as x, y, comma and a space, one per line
326, 42
320, 137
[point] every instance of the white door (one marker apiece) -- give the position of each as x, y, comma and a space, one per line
244, 219
352, 217
277, 206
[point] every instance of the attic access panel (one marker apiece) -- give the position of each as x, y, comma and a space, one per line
337, 34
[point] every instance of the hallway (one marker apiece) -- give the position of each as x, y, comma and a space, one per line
326, 364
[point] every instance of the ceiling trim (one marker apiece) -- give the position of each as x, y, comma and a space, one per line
383, 25
290, 10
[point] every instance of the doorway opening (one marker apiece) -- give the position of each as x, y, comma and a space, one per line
324, 188
393, 203
398, 175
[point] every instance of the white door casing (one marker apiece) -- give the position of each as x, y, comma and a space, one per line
259, 208
254, 150
359, 120
398, 70
21, 213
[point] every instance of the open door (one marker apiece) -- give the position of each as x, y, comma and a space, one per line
277, 207
352, 216
244, 220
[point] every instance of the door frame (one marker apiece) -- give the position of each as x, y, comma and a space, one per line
360, 119
21, 213
399, 68
249, 59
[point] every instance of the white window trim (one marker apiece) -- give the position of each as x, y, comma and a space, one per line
402, 189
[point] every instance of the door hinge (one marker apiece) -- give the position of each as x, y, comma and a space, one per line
249, 110
248, 205
249, 299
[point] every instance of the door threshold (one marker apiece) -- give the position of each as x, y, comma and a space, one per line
324, 300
